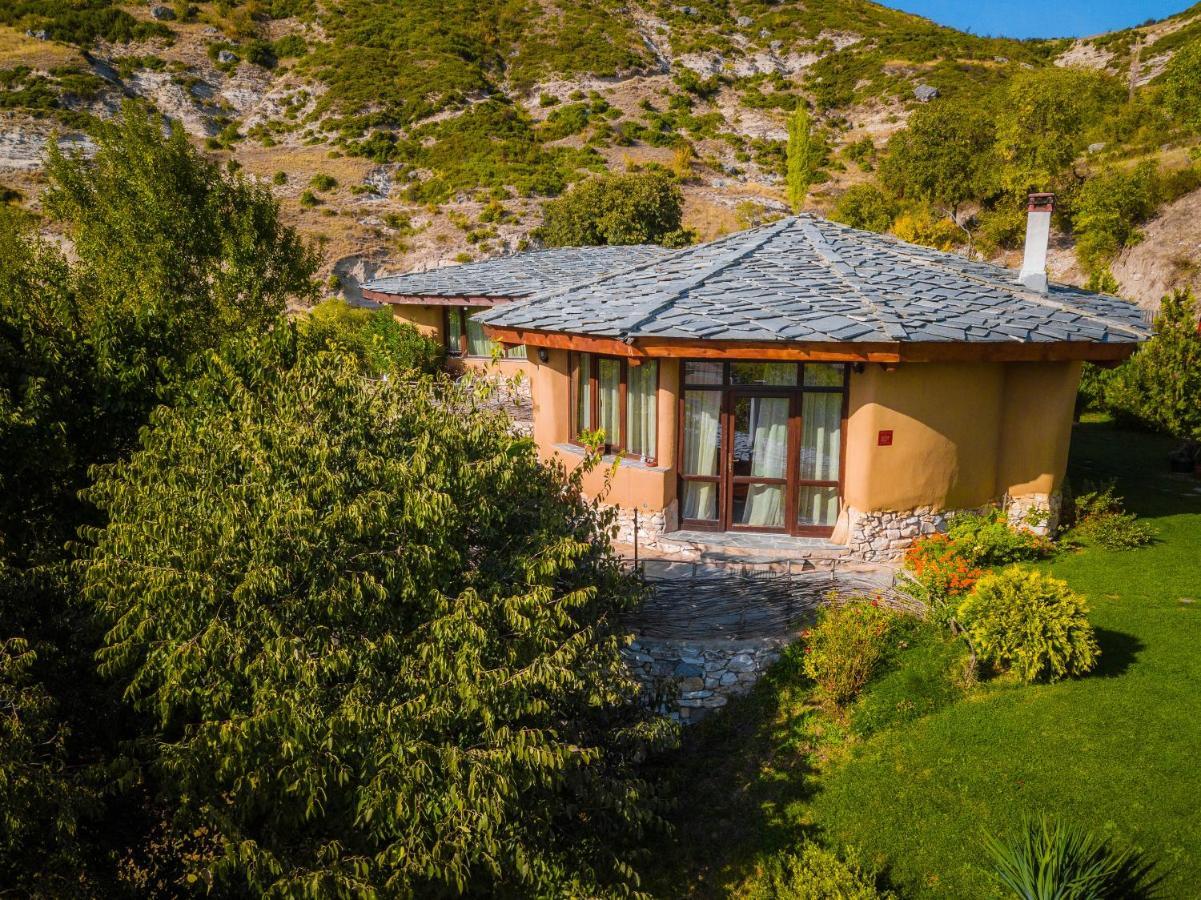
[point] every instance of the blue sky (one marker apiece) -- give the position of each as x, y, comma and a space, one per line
1040, 18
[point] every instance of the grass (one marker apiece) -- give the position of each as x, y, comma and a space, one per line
1115, 751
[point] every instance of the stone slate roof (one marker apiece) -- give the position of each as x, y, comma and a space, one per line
519, 275
807, 279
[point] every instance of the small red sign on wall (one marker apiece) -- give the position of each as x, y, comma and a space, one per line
884, 438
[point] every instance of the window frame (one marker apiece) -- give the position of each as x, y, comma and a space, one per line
725, 479
594, 360
465, 312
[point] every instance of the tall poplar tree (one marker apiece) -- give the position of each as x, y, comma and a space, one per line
800, 156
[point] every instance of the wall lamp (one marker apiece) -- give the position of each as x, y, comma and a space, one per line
543, 356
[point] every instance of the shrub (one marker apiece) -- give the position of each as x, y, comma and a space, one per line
1030, 623
1050, 860
1101, 519
323, 182
374, 337
988, 540
308, 199
813, 873
376, 639
634, 208
866, 206
1108, 210
941, 571
844, 648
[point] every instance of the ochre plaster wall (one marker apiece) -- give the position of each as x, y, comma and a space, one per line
963, 434
633, 484
1036, 427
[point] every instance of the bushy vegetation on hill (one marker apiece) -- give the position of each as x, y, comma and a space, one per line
80, 22
634, 208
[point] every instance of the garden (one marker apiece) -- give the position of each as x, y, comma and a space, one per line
1042, 711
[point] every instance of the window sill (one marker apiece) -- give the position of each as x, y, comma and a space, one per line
627, 462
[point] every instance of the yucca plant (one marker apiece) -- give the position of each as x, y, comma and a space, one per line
1053, 860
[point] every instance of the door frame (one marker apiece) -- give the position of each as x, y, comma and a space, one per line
726, 480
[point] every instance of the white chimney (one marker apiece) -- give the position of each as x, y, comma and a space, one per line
1038, 233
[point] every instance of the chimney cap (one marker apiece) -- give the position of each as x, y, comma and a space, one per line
1041, 203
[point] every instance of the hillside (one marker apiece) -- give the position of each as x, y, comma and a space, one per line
405, 135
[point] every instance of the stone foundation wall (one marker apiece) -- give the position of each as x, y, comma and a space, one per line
1035, 512
885, 535
652, 524
687, 680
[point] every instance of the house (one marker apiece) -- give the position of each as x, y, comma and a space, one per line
805, 378
441, 302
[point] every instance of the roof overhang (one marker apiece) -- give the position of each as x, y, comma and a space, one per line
820, 351
435, 299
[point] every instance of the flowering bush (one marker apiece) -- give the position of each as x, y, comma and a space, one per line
1031, 623
844, 648
988, 540
940, 571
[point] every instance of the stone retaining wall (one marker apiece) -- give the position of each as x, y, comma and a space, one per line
880, 536
687, 680
652, 524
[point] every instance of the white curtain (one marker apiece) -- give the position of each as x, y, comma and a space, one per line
640, 410
477, 342
769, 429
609, 385
583, 393
821, 443
702, 431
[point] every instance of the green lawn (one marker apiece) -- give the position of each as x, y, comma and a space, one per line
1119, 751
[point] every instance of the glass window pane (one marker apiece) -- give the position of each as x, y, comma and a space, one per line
761, 436
702, 432
640, 409
477, 342
821, 436
517, 352
763, 373
824, 374
703, 372
608, 398
817, 505
759, 505
583, 392
700, 500
454, 330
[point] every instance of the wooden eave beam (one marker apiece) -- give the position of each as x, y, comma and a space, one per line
435, 299
932, 351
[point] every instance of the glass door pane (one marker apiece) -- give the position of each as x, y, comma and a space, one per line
817, 505
478, 343
702, 454
760, 452
821, 436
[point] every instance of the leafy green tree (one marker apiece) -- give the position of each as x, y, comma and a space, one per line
173, 255
946, 157
1108, 209
379, 637
866, 206
1160, 385
632, 208
800, 157
1042, 123
382, 344
1182, 85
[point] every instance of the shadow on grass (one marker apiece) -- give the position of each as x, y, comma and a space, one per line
1118, 652
736, 780
1138, 462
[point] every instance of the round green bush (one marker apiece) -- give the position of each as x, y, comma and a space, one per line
812, 873
1030, 623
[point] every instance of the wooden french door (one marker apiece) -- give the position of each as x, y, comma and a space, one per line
763, 457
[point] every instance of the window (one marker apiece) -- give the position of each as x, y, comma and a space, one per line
465, 336
618, 397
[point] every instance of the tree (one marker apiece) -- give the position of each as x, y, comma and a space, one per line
379, 637
1042, 125
1160, 384
382, 344
946, 157
866, 206
173, 255
634, 208
1108, 210
1182, 85
799, 156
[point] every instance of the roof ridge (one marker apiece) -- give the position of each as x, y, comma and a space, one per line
767, 232
1015, 288
892, 326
